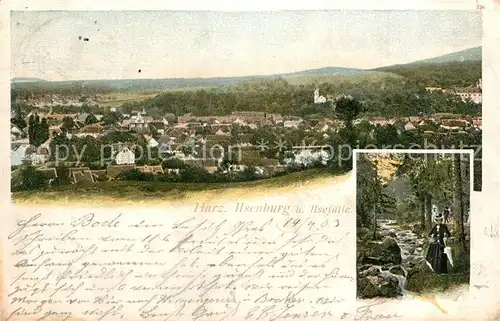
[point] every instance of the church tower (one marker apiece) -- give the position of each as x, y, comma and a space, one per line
317, 98
316, 95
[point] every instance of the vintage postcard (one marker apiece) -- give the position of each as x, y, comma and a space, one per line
249, 164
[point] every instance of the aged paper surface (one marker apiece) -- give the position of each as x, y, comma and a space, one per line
210, 260
268, 253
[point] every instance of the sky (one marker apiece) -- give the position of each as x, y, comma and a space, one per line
169, 44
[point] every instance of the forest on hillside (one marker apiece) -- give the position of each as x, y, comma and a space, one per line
398, 92
446, 75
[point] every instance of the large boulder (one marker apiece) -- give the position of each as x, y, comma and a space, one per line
378, 286
388, 251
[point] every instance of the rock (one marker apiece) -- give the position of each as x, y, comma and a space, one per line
364, 267
398, 270
372, 260
389, 251
392, 234
378, 286
389, 287
411, 250
372, 271
367, 288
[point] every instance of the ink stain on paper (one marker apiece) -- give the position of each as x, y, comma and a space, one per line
434, 302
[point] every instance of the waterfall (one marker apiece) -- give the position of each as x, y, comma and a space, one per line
411, 245
402, 282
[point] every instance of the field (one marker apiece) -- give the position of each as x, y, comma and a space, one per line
139, 192
119, 98
367, 76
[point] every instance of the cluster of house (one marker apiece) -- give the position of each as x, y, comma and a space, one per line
203, 135
50, 100
473, 93
447, 123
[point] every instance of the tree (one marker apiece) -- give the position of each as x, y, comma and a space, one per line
235, 134
32, 179
19, 122
458, 202
348, 108
18, 119
38, 130
63, 175
91, 119
429, 177
68, 124
110, 118
373, 200
44, 131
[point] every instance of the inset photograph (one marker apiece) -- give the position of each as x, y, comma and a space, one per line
413, 222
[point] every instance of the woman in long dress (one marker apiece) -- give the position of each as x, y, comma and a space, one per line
436, 257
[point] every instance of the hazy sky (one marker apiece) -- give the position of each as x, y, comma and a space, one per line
165, 44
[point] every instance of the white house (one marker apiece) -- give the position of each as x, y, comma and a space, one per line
240, 122
307, 157
15, 132
38, 159
152, 142
471, 93
291, 123
18, 154
219, 132
125, 157
237, 168
409, 126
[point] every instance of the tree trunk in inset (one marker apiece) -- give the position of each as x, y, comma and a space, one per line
458, 203
422, 212
428, 210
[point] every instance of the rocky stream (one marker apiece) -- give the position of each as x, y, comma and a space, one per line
385, 266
